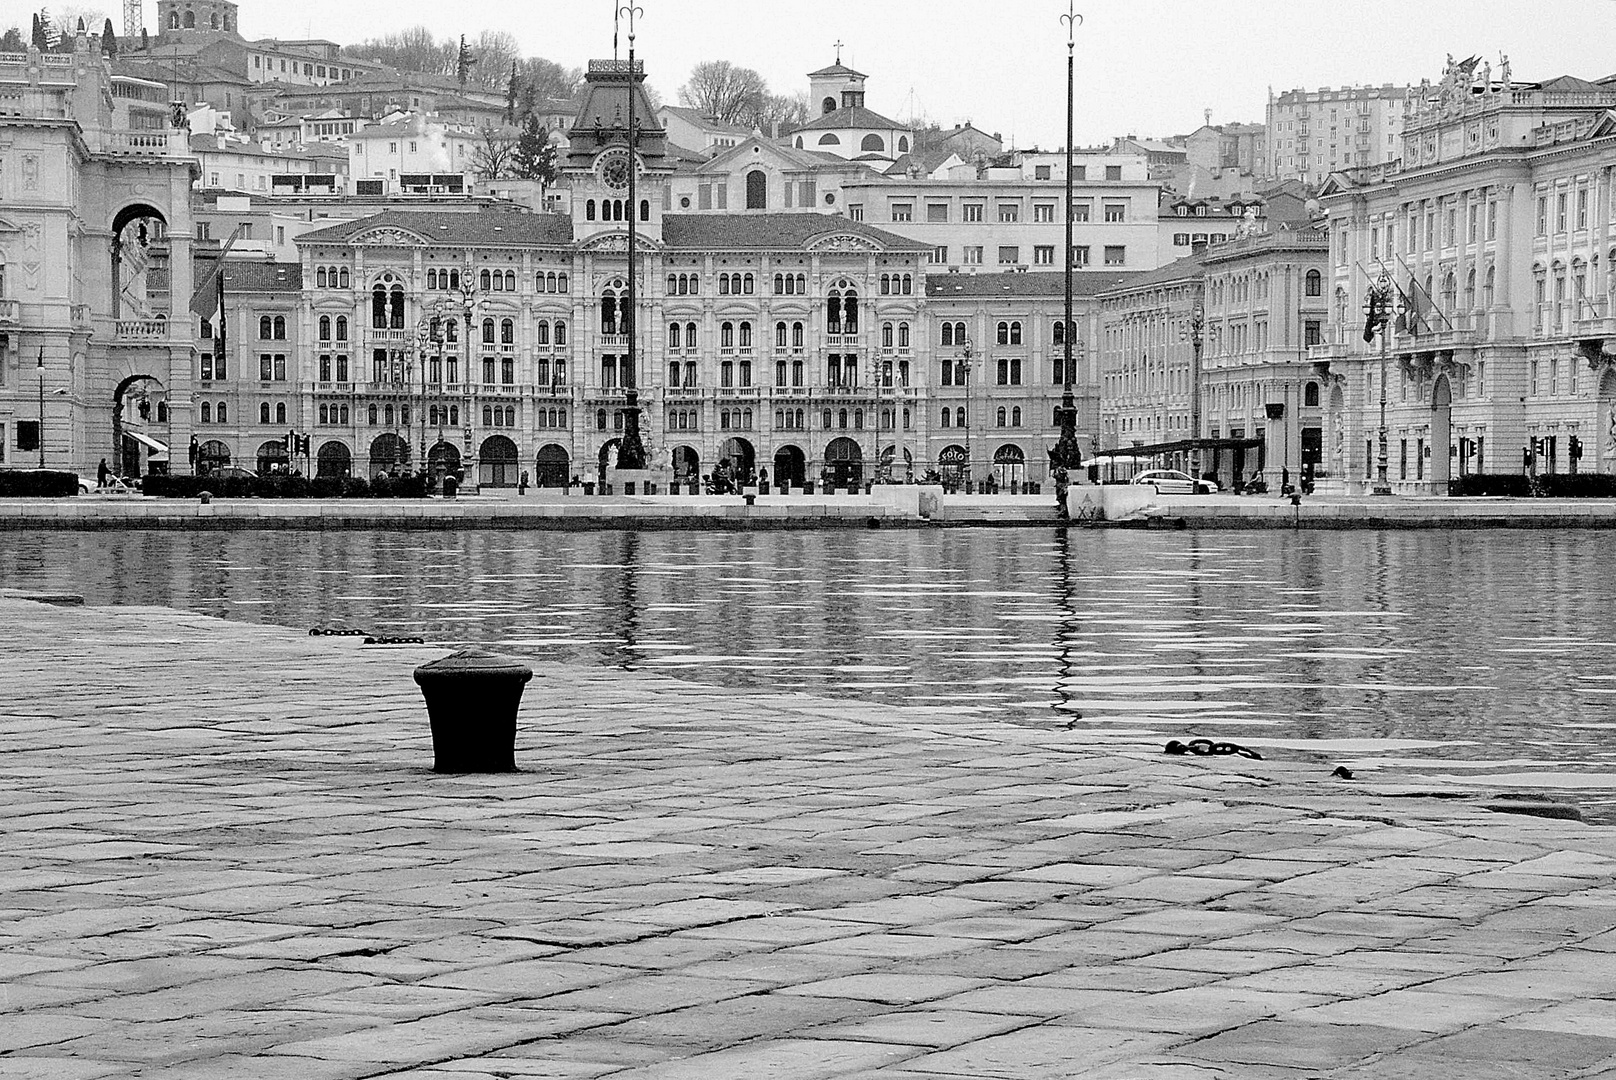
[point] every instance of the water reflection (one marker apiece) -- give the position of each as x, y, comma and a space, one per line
1475, 646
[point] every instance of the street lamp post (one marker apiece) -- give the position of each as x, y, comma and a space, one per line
1064, 456
965, 371
116, 450
631, 450
1195, 331
1378, 308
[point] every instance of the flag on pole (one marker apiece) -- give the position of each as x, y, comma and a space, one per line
209, 295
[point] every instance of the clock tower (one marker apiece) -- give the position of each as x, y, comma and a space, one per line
600, 159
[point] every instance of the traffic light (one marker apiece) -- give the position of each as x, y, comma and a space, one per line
303, 444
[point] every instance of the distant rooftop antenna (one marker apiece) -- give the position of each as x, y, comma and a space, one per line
134, 20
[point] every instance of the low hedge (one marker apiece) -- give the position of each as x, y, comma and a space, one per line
285, 487
1544, 485
37, 483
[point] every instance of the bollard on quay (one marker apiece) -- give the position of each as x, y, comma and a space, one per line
472, 697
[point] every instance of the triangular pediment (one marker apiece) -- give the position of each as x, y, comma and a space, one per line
9, 226
1605, 125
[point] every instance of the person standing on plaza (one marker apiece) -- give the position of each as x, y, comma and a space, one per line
521, 485
101, 472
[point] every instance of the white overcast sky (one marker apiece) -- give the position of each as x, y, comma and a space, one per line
1148, 67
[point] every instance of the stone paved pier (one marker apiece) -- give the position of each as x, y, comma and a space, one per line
223, 855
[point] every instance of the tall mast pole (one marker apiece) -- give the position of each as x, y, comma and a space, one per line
1065, 456
631, 451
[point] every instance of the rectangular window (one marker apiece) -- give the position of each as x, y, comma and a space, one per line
1080, 255
1113, 172
939, 254
1040, 172
1009, 213
855, 212
1492, 219
206, 372
342, 368
1080, 172
1582, 208
507, 371
1313, 332
1116, 212
973, 256
280, 367
971, 212
904, 211
1560, 212
1009, 256
325, 367
1116, 255
1543, 215
937, 211
1043, 212
704, 197
1181, 239
266, 367
1043, 255
1082, 211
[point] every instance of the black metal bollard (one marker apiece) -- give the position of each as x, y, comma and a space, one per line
471, 699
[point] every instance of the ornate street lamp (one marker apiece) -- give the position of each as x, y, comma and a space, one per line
1065, 457
631, 450
1195, 332
1378, 314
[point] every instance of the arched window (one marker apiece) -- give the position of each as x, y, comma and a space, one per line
674, 335
507, 332
207, 412
1001, 416
726, 335
343, 280
541, 335
263, 412
1310, 395
828, 139
959, 417
873, 144
280, 412
173, 20
903, 144
560, 333
265, 327
510, 281
190, 20
396, 317
948, 334
488, 331
886, 285
796, 335
1015, 333
451, 331
280, 328
886, 335
748, 285
319, 278
903, 335
779, 335
589, 215
948, 417
325, 328
779, 284
432, 279
757, 190
1015, 416
746, 335
1314, 283
484, 282
223, 413
841, 419
1004, 333
561, 283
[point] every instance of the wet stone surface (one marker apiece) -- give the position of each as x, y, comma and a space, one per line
225, 855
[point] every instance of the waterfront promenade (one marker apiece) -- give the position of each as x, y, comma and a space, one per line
1122, 506
225, 856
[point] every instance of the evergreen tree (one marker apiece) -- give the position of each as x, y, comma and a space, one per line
510, 96
464, 62
109, 41
12, 42
535, 158
38, 38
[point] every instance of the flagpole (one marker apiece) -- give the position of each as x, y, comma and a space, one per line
42, 406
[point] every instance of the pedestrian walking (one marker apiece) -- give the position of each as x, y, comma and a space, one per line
521, 485
101, 472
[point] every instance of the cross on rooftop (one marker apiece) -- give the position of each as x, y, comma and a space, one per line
838, 50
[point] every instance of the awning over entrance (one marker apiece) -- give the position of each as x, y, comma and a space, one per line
1181, 446
147, 441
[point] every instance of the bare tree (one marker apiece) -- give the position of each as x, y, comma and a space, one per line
545, 80
67, 20
495, 50
496, 154
720, 89
410, 49
789, 111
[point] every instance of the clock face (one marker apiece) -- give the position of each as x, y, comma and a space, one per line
614, 171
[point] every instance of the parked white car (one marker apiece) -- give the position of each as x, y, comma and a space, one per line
1173, 482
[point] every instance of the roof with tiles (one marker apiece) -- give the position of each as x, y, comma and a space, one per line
245, 276
494, 229
771, 232
1085, 283
856, 116
1189, 267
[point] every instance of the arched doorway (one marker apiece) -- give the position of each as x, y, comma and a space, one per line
1607, 421
334, 459
497, 462
741, 456
442, 459
889, 455
845, 462
790, 467
389, 455
955, 465
1441, 434
272, 458
686, 464
550, 468
1009, 468
137, 403
211, 455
